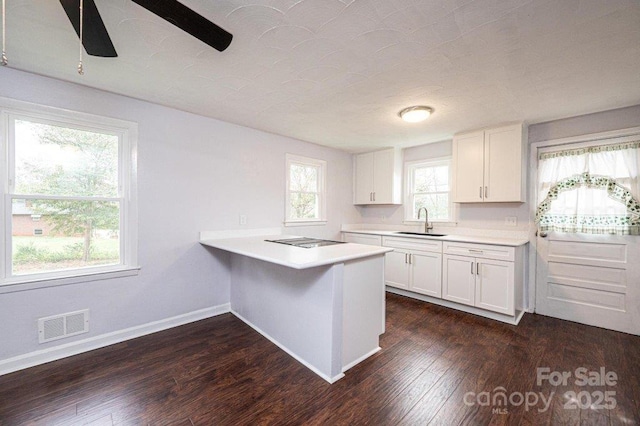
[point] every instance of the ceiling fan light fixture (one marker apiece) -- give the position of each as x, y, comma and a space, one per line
415, 114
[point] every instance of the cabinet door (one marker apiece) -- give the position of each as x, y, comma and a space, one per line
384, 176
494, 286
364, 179
458, 279
396, 269
426, 274
468, 167
503, 164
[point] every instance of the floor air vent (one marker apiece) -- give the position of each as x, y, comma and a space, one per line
61, 326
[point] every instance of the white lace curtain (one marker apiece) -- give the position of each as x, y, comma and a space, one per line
590, 190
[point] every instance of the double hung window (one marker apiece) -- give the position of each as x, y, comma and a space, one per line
305, 192
69, 194
428, 185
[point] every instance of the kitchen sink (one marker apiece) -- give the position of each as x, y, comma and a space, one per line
421, 233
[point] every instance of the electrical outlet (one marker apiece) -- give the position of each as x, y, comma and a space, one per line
511, 221
243, 219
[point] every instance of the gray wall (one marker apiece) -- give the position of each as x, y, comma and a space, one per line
195, 174
615, 119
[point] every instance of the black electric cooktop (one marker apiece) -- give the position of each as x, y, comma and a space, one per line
305, 242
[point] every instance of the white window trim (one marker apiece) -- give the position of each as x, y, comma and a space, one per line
408, 184
128, 134
322, 190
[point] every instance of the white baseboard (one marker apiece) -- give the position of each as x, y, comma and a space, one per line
43, 356
288, 351
362, 358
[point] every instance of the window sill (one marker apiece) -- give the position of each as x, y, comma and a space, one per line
32, 283
306, 223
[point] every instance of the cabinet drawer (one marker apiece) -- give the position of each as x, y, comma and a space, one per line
413, 244
371, 240
481, 251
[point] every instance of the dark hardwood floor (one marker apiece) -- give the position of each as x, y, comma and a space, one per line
433, 359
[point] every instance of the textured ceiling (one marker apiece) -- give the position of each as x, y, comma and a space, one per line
336, 72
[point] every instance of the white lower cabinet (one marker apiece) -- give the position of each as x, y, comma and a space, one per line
366, 239
414, 265
485, 276
479, 281
494, 286
396, 269
459, 281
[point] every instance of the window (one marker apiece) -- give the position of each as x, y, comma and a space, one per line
592, 189
306, 197
427, 185
73, 174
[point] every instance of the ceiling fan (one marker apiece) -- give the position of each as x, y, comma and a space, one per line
97, 42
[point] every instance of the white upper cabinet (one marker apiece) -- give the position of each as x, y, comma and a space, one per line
378, 177
489, 165
468, 167
363, 178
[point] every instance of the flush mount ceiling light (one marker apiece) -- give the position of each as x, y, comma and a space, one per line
415, 114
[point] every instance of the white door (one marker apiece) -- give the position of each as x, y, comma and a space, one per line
396, 269
494, 285
459, 279
590, 279
426, 274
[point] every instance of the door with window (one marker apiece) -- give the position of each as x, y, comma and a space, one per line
588, 221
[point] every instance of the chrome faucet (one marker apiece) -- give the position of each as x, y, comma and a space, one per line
427, 227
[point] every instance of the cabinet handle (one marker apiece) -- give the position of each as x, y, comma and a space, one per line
486, 192
471, 268
481, 193
374, 196
410, 258
477, 268
476, 251
405, 258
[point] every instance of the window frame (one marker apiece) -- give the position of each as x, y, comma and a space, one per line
127, 133
291, 159
409, 166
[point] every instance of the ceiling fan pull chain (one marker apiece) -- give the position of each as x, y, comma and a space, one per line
80, 68
4, 34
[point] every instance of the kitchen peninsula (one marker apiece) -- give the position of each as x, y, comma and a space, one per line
324, 305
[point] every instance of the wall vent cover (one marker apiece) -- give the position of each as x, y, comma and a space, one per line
64, 325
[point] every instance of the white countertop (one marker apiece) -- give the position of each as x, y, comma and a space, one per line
290, 256
512, 242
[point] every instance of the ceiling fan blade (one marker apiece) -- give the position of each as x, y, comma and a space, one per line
95, 37
189, 21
